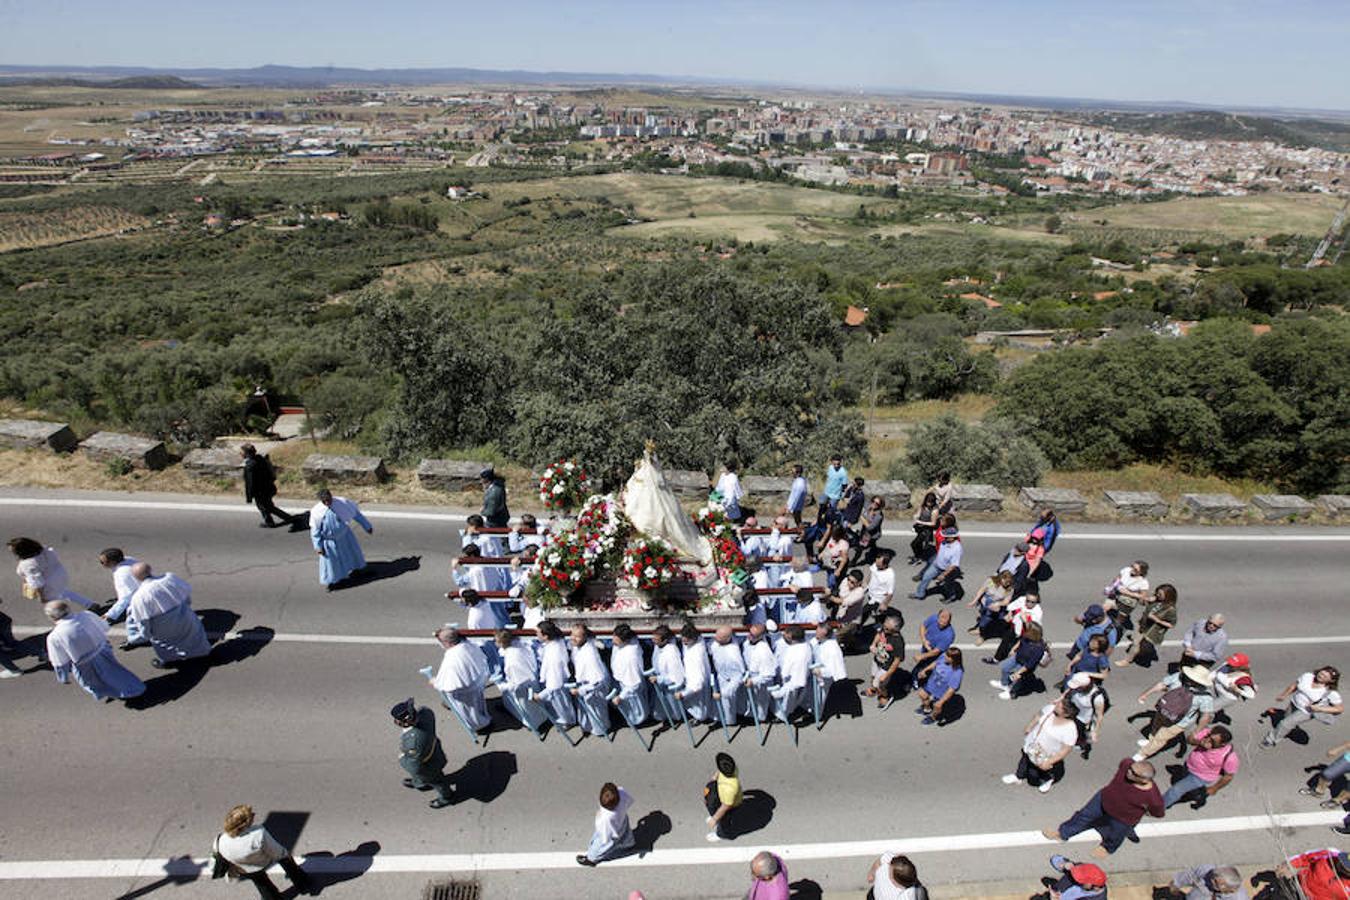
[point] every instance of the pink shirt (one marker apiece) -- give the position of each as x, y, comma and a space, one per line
775, 888
1210, 765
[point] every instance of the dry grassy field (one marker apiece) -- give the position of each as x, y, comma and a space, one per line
1240, 218
20, 231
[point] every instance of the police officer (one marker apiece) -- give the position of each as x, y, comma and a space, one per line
420, 752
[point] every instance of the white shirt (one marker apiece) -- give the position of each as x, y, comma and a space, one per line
797, 580
251, 851
76, 637
159, 594
123, 583
1020, 614
1048, 738
811, 612
553, 667
669, 663
588, 667
1135, 584
626, 664
796, 664
695, 660
609, 823
761, 662
519, 665
44, 573
728, 662
830, 658
462, 666
1309, 693
777, 544
729, 486
880, 583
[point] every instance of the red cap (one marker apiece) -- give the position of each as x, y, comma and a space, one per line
1239, 661
1087, 875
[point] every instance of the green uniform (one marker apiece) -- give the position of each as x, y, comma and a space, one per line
495, 512
421, 756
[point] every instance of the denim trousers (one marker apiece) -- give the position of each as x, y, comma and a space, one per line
1176, 792
1113, 831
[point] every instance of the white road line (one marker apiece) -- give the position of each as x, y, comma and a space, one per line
249, 634
61, 870
1226, 536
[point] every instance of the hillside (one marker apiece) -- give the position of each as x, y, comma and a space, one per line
1210, 125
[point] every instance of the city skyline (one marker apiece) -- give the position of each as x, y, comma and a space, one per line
1204, 52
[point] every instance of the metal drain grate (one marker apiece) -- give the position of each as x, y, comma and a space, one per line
451, 890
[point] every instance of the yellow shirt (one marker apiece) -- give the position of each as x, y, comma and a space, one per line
729, 790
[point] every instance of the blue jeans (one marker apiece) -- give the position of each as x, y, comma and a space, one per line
1006, 669
1191, 782
930, 571
1113, 831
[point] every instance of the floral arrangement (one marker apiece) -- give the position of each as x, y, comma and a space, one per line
712, 520
649, 564
605, 530
564, 485
561, 568
727, 554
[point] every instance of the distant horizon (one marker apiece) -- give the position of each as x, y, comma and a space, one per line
1220, 54
217, 77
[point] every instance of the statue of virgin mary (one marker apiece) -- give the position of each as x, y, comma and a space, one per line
655, 512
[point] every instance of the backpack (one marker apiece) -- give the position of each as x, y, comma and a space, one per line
1174, 705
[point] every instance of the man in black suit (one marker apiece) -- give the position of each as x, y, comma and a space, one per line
260, 486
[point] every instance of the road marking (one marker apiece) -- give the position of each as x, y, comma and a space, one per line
254, 634
243, 509
61, 870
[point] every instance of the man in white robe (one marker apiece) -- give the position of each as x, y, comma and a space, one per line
461, 678
592, 682
696, 695
163, 605
761, 668
625, 662
730, 668
518, 679
753, 545
555, 696
807, 608
778, 544
827, 664
330, 532
124, 585
78, 647
795, 671
668, 673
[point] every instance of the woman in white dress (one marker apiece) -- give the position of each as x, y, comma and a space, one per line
44, 578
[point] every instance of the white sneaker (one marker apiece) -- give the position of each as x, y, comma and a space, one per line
995, 683
712, 837
1138, 757
1005, 695
6, 673
1011, 778
1045, 786
1142, 742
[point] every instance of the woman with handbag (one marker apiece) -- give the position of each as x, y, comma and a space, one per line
244, 851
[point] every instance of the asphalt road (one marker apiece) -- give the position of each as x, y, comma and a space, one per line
293, 719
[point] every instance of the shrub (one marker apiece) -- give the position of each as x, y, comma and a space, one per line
991, 452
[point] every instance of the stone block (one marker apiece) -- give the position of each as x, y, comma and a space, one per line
336, 469
27, 434
1138, 503
895, 493
1335, 504
767, 486
449, 474
1063, 501
214, 462
1281, 506
1213, 506
142, 453
976, 498
692, 485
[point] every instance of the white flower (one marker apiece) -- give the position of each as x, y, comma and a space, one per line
569, 467
650, 572
558, 489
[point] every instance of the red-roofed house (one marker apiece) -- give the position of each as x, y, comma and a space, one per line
854, 317
989, 302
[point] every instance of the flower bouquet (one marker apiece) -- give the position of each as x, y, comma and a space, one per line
712, 520
605, 530
649, 564
562, 568
564, 485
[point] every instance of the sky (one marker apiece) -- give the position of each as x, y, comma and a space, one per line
1292, 53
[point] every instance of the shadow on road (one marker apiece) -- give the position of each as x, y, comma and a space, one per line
177, 682
286, 826
326, 870
649, 829
805, 889
843, 700
244, 645
754, 814
179, 870
485, 777
217, 621
379, 571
